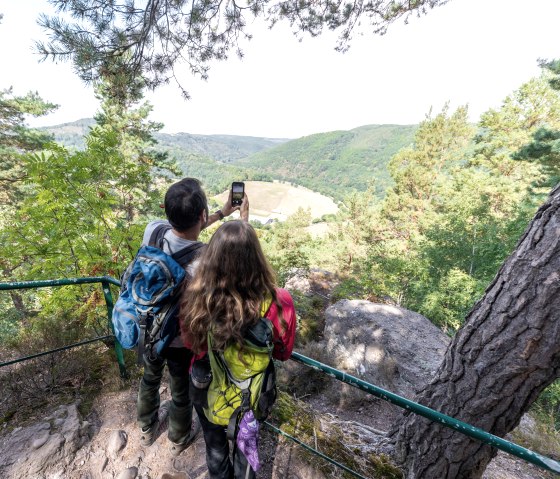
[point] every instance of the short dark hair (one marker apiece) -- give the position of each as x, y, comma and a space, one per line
184, 203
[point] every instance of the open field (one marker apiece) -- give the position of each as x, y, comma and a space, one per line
279, 200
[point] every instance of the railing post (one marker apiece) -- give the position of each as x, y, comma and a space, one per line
118, 347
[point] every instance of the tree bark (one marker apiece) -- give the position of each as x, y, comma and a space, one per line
17, 300
506, 353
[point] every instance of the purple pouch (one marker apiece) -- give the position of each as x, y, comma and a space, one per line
248, 439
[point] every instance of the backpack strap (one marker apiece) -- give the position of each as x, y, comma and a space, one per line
233, 425
156, 238
141, 347
186, 255
183, 256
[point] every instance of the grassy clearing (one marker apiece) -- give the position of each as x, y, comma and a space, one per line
283, 199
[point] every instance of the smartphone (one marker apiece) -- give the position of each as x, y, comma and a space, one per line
237, 193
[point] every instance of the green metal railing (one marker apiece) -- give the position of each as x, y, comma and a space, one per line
447, 421
314, 451
105, 282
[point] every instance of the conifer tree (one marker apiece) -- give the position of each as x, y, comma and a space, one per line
545, 147
131, 39
82, 215
16, 138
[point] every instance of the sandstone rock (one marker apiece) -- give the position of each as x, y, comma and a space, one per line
129, 473
388, 346
315, 281
41, 439
30, 451
117, 442
178, 475
104, 464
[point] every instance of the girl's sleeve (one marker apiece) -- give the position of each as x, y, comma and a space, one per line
284, 332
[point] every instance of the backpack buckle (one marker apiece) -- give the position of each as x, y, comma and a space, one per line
245, 399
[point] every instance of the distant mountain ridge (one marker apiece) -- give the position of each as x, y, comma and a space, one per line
223, 148
337, 162
333, 163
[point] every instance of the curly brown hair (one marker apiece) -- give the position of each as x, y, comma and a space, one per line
225, 295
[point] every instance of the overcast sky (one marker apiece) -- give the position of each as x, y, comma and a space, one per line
471, 52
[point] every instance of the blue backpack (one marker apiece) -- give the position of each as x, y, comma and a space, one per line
145, 315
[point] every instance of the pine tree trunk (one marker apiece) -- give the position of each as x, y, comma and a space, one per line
499, 362
17, 300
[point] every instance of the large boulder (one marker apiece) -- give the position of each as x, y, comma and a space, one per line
390, 347
51, 443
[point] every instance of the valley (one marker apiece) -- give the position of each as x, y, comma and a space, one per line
332, 163
277, 200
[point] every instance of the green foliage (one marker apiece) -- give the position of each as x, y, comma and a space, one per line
287, 245
310, 316
541, 431
80, 220
350, 288
549, 402
546, 149
395, 264
83, 216
10, 323
545, 145
448, 303
15, 139
456, 210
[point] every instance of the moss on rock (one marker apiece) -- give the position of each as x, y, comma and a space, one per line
325, 434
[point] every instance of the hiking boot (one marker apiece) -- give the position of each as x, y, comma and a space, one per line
178, 448
149, 434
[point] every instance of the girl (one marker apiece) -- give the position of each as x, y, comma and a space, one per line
231, 283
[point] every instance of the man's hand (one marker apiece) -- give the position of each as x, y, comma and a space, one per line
228, 208
244, 208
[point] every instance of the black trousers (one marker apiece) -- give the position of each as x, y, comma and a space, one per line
217, 453
180, 412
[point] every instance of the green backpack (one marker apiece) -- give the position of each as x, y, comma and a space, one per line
242, 380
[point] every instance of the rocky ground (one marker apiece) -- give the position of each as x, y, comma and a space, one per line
59, 443
63, 445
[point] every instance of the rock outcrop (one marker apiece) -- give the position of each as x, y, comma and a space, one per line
50, 443
384, 345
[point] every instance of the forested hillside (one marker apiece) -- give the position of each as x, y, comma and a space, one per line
215, 175
338, 162
223, 148
71, 134
334, 163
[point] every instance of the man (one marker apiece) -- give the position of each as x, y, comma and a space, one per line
186, 209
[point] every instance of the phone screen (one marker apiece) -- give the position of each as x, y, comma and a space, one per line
237, 191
